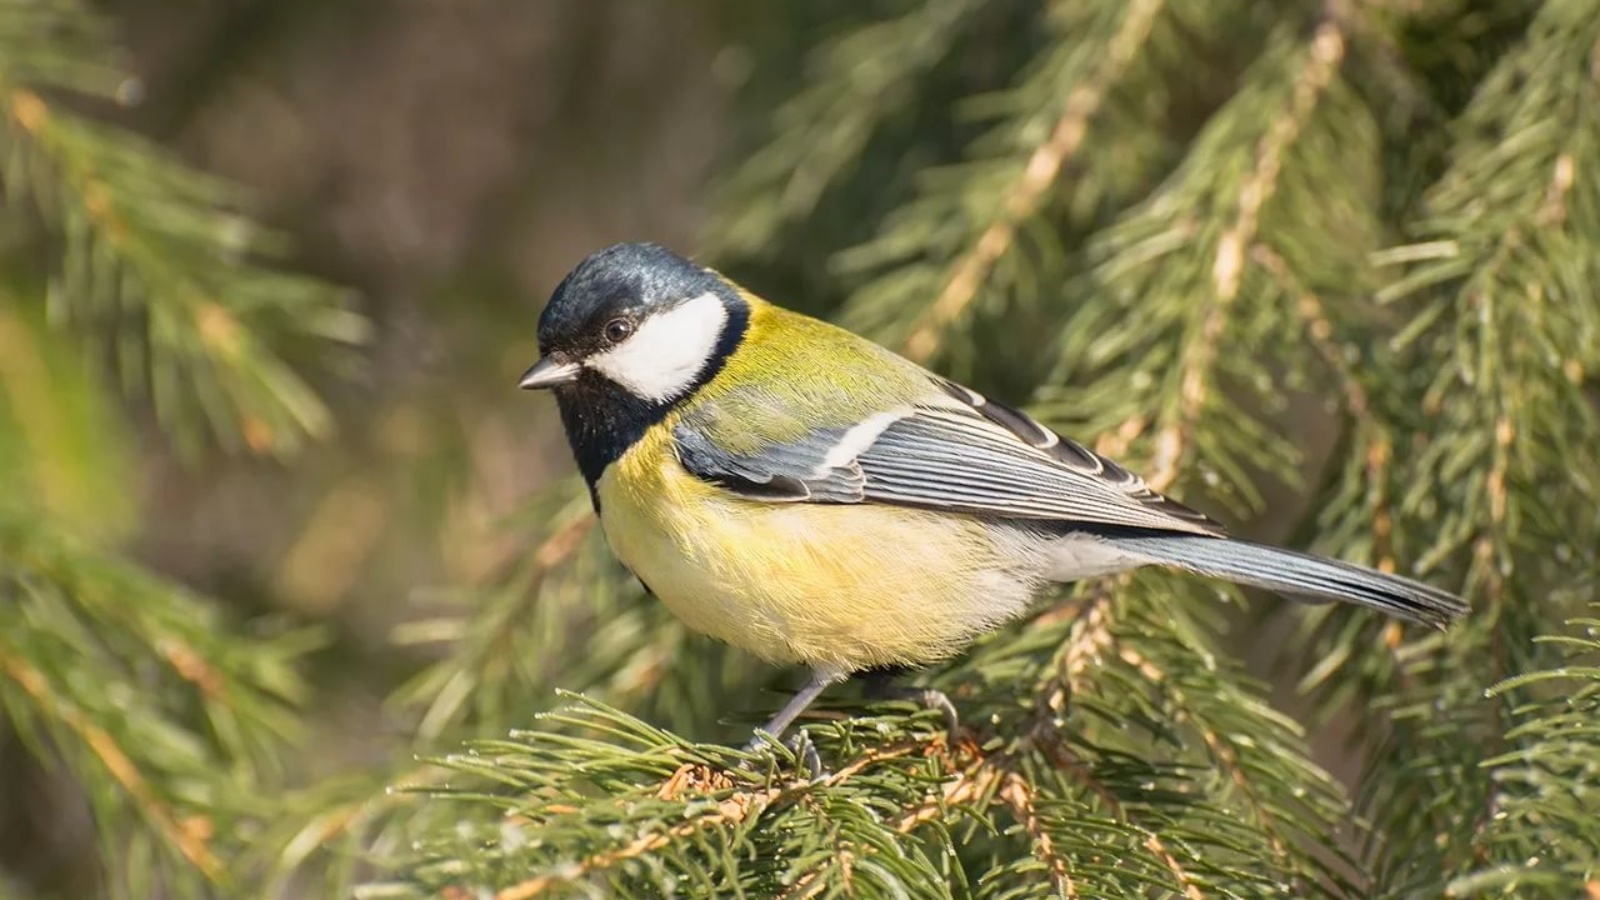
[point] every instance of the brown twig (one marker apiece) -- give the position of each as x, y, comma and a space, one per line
558, 547
188, 836
1018, 795
975, 780
811, 883
731, 811
1222, 752
1326, 54
1318, 327
1377, 450
192, 667
1037, 176
736, 808
1068, 762
1554, 211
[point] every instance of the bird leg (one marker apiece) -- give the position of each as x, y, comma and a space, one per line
879, 684
800, 744
813, 687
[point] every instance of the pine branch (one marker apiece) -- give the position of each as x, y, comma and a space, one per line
1542, 838
862, 78
171, 725
990, 208
153, 261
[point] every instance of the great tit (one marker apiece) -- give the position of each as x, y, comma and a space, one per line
805, 494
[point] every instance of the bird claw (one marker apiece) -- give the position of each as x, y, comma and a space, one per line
927, 698
800, 744
939, 702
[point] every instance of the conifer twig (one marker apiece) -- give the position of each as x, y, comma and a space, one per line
737, 807
152, 249
190, 838
1068, 762
1033, 182
1019, 795
1377, 450
1222, 751
1326, 53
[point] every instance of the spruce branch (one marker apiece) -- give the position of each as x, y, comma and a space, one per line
1111, 750
512, 635
1321, 64
1542, 838
172, 725
1020, 796
191, 837
1183, 805
1038, 175
861, 78
500, 631
154, 262
990, 208
1185, 254
1496, 293
61, 449
1073, 801
1371, 437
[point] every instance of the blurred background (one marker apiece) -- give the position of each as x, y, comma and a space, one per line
444, 164
327, 587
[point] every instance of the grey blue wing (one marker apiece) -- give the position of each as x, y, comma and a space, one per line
955, 452
793, 471
982, 457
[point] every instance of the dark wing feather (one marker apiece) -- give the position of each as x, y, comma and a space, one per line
1089, 468
791, 472
964, 454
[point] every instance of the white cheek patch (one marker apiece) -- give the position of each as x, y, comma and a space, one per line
662, 359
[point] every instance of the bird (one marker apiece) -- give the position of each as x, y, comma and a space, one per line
798, 491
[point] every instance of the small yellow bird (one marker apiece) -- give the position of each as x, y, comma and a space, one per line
800, 492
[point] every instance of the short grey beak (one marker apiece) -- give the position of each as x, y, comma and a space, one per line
548, 373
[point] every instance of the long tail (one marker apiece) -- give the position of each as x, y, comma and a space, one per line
1297, 575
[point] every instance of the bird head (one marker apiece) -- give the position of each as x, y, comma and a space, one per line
641, 319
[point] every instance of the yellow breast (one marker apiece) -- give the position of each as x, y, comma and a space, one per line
844, 587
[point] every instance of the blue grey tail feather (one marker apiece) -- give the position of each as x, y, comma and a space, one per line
1297, 575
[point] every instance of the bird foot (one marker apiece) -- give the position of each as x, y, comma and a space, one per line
800, 744
927, 698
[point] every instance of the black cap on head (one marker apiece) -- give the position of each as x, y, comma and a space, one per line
621, 280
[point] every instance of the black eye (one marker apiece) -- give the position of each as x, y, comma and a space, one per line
617, 330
